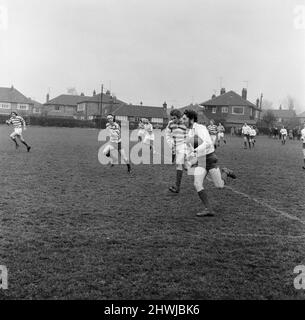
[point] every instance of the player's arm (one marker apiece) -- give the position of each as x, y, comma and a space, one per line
23, 123
8, 122
168, 136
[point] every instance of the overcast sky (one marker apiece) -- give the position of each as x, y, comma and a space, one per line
154, 50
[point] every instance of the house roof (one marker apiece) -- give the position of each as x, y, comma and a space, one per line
230, 98
282, 113
12, 95
67, 100
302, 115
139, 111
106, 99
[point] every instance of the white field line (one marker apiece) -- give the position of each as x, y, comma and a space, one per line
262, 203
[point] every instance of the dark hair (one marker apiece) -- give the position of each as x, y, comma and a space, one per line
176, 113
191, 114
111, 115
15, 113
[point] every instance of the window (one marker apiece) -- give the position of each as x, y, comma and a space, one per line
251, 112
224, 109
81, 107
5, 106
57, 108
132, 119
238, 110
214, 110
257, 114
157, 120
122, 118
22, 107
36, 110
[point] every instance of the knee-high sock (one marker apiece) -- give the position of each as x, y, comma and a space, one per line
25, 143
15, 140
204, 199
179, 178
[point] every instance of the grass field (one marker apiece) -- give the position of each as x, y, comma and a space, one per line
71, 228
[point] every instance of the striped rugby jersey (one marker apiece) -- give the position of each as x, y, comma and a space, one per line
115, 132
17, 122
176, 133
149, 128
303, 135
212, 128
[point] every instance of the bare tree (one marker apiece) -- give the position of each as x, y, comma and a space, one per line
266, 104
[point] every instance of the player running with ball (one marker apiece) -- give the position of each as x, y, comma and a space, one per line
17, 122
204, 153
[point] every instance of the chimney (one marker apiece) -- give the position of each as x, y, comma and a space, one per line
261, 101
48, 97
165, 106
94, 93
213, 96
222, 91
82, 94
257, 102
108, 93
141, 103
244, 94
280, 107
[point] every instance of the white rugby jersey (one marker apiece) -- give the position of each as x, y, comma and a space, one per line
115, 132
252, 132
17, 122
202, 132
283, 132
246, 130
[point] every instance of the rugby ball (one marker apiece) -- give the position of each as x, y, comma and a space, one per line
195, 141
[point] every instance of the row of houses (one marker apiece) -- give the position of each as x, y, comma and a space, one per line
229, 108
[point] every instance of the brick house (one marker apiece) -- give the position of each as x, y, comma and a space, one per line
133, 113
232, 109
13, 100
89, 108
64, 106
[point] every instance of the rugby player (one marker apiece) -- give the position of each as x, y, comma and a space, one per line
115, 142
17, 122
221, 134
141, 131
175, 135
246, 133
149, 136
284, 134
252, 136
204, 151
213, 131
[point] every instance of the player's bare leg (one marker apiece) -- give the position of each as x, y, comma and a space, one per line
199, 176
23, 142
125, 159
